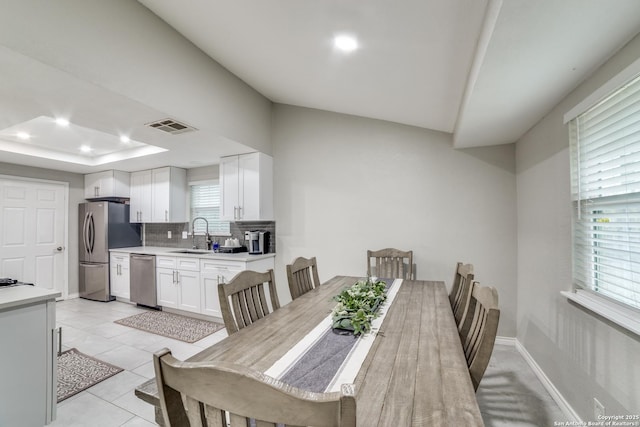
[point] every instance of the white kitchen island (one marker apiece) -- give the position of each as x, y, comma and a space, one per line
28, 363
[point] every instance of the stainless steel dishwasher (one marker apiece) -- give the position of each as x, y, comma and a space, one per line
143, 279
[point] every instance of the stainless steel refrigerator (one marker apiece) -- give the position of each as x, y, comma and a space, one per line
102, 226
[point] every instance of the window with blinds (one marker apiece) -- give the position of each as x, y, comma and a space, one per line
205, 202
605, 153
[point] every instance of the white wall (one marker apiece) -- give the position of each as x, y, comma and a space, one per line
76, 196
345, 184
203, 173
582, 354
122, 46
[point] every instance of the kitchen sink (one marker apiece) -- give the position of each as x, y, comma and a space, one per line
190, 251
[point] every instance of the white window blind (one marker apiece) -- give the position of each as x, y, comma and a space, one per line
605, 152
205, 202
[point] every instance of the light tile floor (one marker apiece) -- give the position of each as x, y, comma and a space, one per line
88, 326
509, 395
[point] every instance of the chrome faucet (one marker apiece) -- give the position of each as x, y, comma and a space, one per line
193, 232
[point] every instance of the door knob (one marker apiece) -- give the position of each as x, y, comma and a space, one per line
60, 248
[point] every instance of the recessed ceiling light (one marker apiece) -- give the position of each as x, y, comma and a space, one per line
345, 43
85, 148
23, 135
60, 121
125, 139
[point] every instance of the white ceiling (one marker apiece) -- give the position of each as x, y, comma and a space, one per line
483, 70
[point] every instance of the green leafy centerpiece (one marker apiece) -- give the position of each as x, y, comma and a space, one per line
358, 305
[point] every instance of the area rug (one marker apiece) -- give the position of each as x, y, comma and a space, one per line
171, 325
77, 372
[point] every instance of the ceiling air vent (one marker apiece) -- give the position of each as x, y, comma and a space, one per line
171, 126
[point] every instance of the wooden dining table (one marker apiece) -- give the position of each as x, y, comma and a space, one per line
415, 373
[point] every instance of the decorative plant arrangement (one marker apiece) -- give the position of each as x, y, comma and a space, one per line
358, 305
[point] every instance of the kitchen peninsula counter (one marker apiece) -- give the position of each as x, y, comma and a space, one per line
21, 295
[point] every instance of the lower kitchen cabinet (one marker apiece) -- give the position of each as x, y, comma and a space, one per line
119, 277
178, 283
191, 283
212, 273
188, 290
167, 288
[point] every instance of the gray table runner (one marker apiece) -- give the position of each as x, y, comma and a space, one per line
320, 363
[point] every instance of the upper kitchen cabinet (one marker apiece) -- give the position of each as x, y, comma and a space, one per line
246, 181
140, 210
109, 184
159, 195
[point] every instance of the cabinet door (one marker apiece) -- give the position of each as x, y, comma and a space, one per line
188, 290
140, 210
249, 186
120, 275
167, 287
209, 299
161, 191
114, 279
229, 186
209, 279
92, 184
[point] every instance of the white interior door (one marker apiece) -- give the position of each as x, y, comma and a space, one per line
33, 218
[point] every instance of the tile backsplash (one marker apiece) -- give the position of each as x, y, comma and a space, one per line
156, 234
238, 228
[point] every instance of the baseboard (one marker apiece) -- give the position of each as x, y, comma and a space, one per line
72, 296
565, 407
506, 341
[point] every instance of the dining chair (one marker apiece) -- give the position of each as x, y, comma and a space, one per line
391, 263
461, 291
302, 274
243, 300
479, 329
226, 394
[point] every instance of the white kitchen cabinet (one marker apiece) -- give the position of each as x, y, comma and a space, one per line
140, 201
169, 195
119, 277
28, 369
215, 271
178, 283
166, 287
159, 195
212, 273
189, 290
107, 184
246, 182
190, 283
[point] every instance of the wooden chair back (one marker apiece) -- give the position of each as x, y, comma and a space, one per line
302, 275
218, 394
243, 300
461, 291
479, 330
391, 263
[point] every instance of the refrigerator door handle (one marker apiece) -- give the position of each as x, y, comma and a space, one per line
92, 232
85, 232
92, 265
